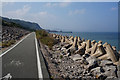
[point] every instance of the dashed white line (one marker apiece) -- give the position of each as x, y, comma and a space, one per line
14, 45
38, 61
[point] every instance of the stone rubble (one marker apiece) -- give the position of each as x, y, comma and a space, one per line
10, 33
84, 59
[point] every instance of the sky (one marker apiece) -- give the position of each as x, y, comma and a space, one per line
66, 16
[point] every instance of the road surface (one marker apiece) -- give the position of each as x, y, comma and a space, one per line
22, 60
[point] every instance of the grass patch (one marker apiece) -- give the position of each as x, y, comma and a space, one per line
8, 43
61, 56
45, 38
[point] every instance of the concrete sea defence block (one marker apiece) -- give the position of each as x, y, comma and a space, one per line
100, 51
105, 56
93, 42
75, 42
71, 39
63, 39
111, 53
66, 39
100, 42
88, 44
83, 45
105, 44
79, 39
81, 49
94, 48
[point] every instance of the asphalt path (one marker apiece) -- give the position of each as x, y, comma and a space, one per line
22, 61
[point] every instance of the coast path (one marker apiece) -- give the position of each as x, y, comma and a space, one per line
23, 61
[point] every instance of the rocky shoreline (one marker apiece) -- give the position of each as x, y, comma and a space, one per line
75, 58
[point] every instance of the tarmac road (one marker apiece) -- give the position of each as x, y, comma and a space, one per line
21, 61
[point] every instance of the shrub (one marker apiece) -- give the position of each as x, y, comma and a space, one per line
45, 38
61, 56
8, 43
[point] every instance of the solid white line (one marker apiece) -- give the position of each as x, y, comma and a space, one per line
38, 61
14, 45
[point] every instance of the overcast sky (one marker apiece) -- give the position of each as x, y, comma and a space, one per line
67, 16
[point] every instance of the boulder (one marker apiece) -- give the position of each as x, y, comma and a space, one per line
84, 61
68, 54
93, 62
110, 70
86, 55
105, 62
118, 71
97, 72
76, 57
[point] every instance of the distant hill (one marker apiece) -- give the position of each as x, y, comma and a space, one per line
24, 24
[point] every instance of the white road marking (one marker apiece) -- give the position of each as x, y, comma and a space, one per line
38, 61
14, 45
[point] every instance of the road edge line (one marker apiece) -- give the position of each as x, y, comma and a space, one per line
14, 45
38, 61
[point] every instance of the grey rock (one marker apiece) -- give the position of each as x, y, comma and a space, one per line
97, 71
84, 61
68, 54
105, 62
76, 57
86, 55
110, 70
80, 51
63, 48
118, 71
93, 62
67, 46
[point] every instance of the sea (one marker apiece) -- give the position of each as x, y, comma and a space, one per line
109, 37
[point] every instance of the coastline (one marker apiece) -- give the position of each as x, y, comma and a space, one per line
73, 57
109, 37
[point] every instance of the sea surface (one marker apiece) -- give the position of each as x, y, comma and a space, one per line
110, 37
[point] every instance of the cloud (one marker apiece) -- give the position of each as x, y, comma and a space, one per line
82, 11
60, 4
64, 4
7, 3
60, 0
19, 12
43, 13
113, 8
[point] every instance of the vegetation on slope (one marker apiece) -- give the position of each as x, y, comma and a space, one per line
8, 43
45, 38
25, 24
15, 28
10, 24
